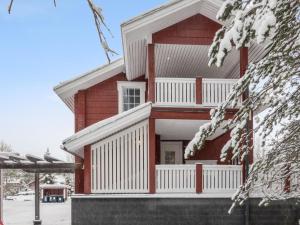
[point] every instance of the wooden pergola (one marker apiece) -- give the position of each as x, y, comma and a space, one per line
36, 165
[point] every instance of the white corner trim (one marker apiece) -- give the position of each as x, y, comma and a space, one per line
130, 84
107, 127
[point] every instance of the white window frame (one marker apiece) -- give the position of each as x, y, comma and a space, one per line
130, 84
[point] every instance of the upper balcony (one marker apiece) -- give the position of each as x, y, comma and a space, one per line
179, 76
191, 92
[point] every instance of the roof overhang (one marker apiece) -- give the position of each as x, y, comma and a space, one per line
66, 90
137, 32
105, 128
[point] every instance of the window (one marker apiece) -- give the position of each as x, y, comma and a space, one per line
131, 94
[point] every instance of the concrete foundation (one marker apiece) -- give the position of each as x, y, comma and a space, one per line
178, 211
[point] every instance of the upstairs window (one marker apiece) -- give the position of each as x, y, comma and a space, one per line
131, 94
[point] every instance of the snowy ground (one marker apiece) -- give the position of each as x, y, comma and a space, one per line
22, 213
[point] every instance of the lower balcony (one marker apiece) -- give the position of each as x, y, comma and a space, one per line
189, 92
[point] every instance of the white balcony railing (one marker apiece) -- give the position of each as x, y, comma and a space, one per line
221, 178
182, 178
175, 178
175, 91
182, 91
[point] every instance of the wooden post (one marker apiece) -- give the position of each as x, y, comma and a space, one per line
198, 90
152, 183
87, 170
287, 183
80, 123
37, 220
246, 162
199, 175
151, 73
243, 60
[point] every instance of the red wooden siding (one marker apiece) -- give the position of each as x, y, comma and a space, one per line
87, 169
196, 30
212, 149
80, 123
102, 99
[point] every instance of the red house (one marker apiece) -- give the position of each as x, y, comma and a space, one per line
135, 116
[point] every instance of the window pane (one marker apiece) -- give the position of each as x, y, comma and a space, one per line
131, 91
131, 99
137, 99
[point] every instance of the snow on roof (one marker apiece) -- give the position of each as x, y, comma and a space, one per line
105, 128
67, 89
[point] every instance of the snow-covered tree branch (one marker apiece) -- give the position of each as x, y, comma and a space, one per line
272, 82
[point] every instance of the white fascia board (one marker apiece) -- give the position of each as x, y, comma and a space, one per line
69, 88
105, 128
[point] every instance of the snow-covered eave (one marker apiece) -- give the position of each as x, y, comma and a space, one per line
142, 27
105, 128
67, 89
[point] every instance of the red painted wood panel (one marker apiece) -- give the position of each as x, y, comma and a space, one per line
196, 30
212, 150
152, 154
80, 123
102, 99
151, 72
87, 169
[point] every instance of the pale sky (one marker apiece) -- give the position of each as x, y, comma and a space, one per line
41, 46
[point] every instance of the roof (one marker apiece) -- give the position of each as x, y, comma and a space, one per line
137, 32
67, 89
106, 128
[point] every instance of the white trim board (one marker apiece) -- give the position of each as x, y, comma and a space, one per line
105, 128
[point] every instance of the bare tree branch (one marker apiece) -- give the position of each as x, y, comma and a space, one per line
99, 22
10, 6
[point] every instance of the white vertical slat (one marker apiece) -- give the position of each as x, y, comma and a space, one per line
145, 129
106, 165
122, 164
102, 171
118, 164
126, 163
130, 153
98, 167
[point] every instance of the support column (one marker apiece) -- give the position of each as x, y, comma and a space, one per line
80, 123
37, 220
87, 169
199, 90
199, 175
246, 162
151, 73
152, 143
